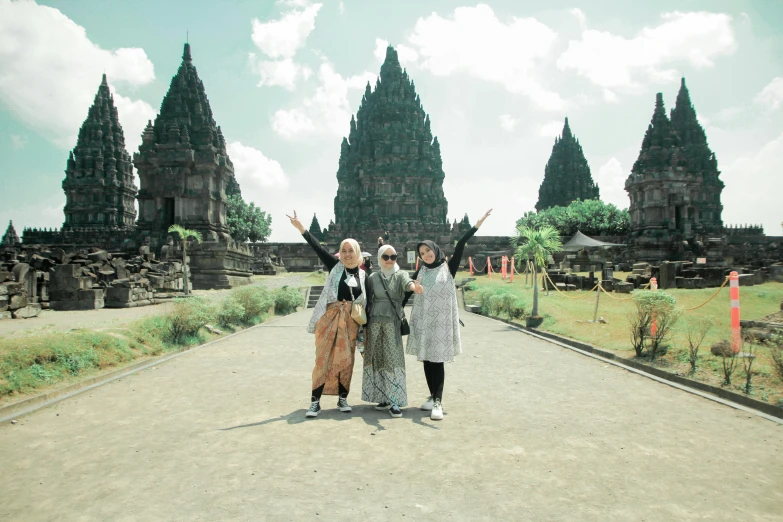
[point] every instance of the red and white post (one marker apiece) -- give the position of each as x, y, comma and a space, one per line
489, 266
512, 270
653, 325
503, 267
470, 264
735, 312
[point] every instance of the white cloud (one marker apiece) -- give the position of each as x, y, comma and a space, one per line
294, 3
553, 129
743, 202
327, 111
508, 122
282, 38
407, 56
612, 61
134, 115
342, 7
609, 96
18, 142
771, 96
50, 71
611, 182
255, 172
282, 73
474, 42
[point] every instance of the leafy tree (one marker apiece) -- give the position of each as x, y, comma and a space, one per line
185, 234
247, 222
538, 244
591, 217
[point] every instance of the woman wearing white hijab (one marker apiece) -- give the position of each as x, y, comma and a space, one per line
383, 379
335, 331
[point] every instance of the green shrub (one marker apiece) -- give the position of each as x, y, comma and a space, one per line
187, 317
496, 304
230, 312
287, 300
652, 306
255, 300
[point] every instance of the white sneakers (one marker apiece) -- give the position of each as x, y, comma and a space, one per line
434, 407
437, 410
315, 408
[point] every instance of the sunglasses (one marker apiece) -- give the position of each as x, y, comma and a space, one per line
387, 257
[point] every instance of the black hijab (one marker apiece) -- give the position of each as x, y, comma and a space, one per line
439, 257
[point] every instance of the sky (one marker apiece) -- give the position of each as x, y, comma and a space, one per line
497, 79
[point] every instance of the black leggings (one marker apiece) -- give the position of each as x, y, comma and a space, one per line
435, 373
319, 391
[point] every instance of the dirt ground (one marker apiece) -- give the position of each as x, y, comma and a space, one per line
531, 432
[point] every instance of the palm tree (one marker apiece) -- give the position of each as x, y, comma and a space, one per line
185, 234
537, 244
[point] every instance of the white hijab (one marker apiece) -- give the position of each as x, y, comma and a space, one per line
386, 273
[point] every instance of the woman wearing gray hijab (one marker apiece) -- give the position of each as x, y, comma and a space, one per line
383, 379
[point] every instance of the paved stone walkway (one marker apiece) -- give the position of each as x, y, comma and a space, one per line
532, 432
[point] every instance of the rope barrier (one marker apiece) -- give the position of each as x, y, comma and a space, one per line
711, 298
589, 292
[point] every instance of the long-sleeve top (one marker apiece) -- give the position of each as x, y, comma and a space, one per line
454, 263
379, 307
330, 261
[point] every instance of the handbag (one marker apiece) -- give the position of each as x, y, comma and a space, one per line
358, 313
405, 328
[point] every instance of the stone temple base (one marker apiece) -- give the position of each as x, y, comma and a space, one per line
219, 264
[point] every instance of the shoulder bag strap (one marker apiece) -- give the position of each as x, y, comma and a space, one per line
383, 282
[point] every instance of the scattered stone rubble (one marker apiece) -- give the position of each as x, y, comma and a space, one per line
33, 280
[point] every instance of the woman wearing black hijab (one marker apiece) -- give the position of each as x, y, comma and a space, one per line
435, 337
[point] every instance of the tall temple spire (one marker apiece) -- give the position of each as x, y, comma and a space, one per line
98, 184
567, 175
674, 186
183, 159
390, 171
10, 238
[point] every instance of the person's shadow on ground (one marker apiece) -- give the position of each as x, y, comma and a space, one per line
366, 412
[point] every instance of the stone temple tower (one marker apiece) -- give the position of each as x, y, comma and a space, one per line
567, 174
184, 173
390, 175
98, 184
674, 185
182, 161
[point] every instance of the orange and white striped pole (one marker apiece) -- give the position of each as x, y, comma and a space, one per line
653, 325
470, 264
503, 267
489, 266
512, 269
735, 311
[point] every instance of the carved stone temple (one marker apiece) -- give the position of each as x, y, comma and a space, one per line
567, 175
98, 185
674, 185
10, 238
390, 175
185, 173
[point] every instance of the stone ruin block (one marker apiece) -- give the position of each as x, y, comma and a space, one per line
26, 312
623, 288
691, 282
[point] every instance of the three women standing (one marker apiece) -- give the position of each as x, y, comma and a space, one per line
335, 331
435, 336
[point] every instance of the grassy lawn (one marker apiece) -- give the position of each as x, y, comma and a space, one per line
571, 318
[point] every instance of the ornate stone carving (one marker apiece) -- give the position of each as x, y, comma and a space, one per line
98, 184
